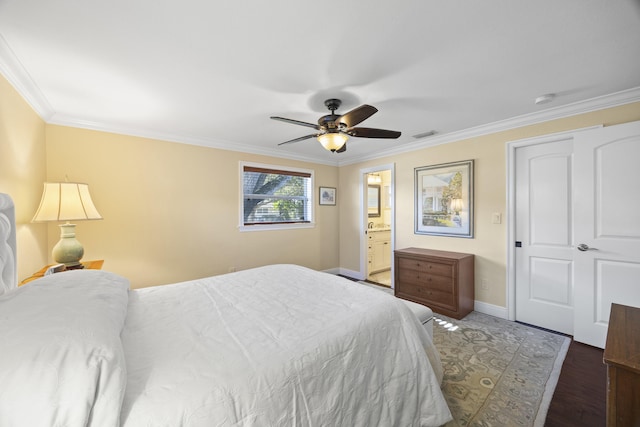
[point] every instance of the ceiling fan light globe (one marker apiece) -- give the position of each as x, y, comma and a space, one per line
332, 141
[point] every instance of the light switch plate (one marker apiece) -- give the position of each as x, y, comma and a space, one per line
496, 218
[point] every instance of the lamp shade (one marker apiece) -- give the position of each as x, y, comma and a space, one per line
332, 141
456, 205
66, 201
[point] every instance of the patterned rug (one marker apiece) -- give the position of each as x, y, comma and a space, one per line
497, 372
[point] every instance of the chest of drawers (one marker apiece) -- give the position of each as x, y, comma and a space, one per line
443, 281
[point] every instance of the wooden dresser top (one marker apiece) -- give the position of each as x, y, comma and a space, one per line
433, 253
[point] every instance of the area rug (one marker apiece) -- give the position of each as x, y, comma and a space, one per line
497, 372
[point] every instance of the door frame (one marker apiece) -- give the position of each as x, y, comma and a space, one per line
364, 217
511, 148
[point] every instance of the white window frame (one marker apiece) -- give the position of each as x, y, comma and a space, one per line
283, 226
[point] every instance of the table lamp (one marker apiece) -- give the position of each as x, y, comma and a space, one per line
66, 201
456, 207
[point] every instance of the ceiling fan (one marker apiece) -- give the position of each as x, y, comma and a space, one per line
334, 129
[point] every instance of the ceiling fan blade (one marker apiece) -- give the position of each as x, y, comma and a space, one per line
357, 115
302, 138
342, 149
373, 133
296, 122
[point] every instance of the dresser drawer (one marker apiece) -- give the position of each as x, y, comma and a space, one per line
428, 295
441, 269
420, 278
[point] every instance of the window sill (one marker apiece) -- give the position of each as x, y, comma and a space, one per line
268, 227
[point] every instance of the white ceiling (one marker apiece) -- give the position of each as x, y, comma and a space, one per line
213, 72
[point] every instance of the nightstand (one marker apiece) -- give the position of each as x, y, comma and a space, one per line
91, 265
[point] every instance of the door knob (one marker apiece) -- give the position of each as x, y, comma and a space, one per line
582, 247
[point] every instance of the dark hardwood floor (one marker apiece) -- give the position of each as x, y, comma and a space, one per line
580, 396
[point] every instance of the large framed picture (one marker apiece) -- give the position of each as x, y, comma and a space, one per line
444, 199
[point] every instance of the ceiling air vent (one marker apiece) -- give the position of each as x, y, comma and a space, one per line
425, 134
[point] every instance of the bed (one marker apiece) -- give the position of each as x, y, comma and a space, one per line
280, 345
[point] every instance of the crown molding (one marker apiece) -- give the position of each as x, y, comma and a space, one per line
616, 99
19, 78
13, 70
16, 74
220, 144
594, 104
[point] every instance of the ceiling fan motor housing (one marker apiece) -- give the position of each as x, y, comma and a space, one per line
328, 122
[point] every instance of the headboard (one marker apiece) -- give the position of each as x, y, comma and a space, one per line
8, 268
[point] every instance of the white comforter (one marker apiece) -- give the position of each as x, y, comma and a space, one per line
274, 346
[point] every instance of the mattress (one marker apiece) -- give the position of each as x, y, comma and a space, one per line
423, 313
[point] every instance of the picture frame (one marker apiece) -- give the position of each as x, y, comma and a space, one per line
373, 201
444, 199
327, 196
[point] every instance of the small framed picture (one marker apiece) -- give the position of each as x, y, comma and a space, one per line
327, 196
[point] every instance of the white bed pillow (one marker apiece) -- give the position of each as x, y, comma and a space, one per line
61, 358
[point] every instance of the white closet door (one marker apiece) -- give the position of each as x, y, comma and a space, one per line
607, 227
544, 229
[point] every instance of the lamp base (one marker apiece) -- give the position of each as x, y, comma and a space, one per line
68, 250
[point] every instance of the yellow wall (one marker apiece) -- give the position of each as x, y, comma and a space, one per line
489, 151
171, 210
22, 172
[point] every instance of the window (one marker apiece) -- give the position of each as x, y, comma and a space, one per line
273, 196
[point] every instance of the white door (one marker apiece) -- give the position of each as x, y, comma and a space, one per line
544, 229
607, 220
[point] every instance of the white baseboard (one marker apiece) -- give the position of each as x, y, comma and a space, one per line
492, 310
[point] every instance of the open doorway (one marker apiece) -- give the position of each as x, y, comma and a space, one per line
378, 222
